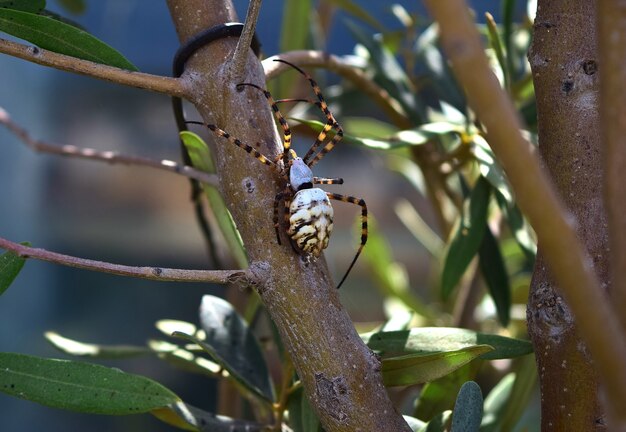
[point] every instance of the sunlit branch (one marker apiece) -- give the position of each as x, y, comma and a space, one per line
160, 84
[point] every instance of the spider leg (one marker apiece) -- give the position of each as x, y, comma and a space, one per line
323, 180
359, 202
281, 120
249, 149
331, 123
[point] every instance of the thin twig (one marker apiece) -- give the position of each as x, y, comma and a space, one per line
103, 156
159, 84
153, 273
239, 59
347, 70
569, 261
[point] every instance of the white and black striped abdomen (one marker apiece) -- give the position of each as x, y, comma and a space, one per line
310, 220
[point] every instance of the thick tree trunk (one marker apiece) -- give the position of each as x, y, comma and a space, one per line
341, 376
563, 57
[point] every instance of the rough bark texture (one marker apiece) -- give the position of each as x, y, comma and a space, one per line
563, 57
341, 375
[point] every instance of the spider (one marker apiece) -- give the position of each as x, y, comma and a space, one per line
308, 213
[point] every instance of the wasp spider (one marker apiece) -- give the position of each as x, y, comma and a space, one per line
308, 214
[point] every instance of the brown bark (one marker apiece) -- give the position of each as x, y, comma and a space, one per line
341, 376
563, 57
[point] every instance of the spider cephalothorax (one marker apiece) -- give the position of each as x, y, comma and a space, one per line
308, 214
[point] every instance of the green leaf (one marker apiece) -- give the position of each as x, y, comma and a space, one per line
79, 386
358, 12
467, 237
188, 417
420, 368
468, 409
33, 6
53, 35
505, 403
230, 343
10, 266
495, 275
201, 159
420, 229
489, 167
439, 395
410, 137
438, 423
294, 35
508, 9
302, 418
436, 339
185, 359
81, 349
389, 74
519, 227
496, 44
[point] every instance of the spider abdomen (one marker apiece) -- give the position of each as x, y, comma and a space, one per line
310, 220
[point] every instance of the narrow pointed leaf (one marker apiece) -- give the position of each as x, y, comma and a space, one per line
467, 237
436, 339
82, 349
519, 227
233, 342
439, 395
230, 343
54, 35
302, 418
33, 6
79, 386
202, 160
490, 168
420, 368
468, 409
188, 417
357, 11
496, 278
389, 73
10, 266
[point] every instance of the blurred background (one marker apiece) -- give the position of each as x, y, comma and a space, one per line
139, 216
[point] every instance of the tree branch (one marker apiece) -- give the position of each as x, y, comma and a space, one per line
103, 156
568, 260
156, 83
239, 60
154, 273
341, 376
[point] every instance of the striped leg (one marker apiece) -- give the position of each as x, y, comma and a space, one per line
322, 180
359, 202
331, 123
249, 149
281, 120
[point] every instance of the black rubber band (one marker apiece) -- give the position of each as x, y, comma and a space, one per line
206, 37
178, 67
